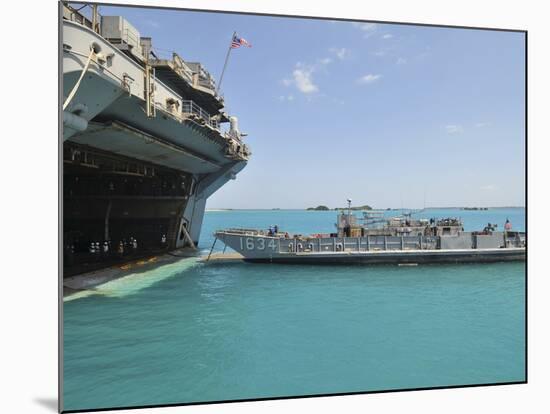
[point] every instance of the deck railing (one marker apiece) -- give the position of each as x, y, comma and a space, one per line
190, 109
78, 15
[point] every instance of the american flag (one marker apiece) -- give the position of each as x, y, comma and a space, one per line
238, 42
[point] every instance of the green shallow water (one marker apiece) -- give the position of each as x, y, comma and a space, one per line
202, 332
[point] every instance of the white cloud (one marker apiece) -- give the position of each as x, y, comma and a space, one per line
488, 187
303, 80
302, 75
367, 28
387, 36
401, 61
380, 53
454, 129
369, 78
341, 53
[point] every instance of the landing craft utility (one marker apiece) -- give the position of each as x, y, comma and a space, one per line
399, 240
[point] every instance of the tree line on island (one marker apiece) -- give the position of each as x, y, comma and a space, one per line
325, 208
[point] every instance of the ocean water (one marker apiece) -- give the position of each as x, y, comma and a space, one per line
191, 332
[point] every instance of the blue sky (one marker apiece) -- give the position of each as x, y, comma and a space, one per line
388, 115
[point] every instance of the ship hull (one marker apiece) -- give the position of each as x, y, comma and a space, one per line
406, 250
136, 174
399, 257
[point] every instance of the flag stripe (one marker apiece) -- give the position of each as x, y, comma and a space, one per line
238, 42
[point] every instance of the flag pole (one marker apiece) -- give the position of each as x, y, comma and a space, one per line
225, 63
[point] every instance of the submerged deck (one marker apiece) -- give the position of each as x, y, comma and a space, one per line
223, 257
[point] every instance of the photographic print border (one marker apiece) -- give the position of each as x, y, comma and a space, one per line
60, 205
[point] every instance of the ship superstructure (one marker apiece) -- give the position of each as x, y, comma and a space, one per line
143, 143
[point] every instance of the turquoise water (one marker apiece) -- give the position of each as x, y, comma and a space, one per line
192, 332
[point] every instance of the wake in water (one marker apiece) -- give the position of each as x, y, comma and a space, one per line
135, 282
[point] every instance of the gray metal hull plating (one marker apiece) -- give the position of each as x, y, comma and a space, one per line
137, 168
400, 257
365, 250
105, 115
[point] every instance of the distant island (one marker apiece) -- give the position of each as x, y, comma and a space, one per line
364, 207
325, 208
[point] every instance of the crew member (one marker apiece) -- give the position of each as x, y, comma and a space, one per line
507, 225
489, 228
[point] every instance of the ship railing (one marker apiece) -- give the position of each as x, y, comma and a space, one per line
355, 244
77, 15
243, 231
514, 239
193, 111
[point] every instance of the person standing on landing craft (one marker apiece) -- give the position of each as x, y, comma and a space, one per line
508, 225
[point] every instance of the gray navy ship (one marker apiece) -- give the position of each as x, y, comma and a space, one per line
401, 240
143, 143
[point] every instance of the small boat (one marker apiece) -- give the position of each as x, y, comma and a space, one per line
400, 240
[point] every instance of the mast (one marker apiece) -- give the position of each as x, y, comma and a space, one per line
225, 63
